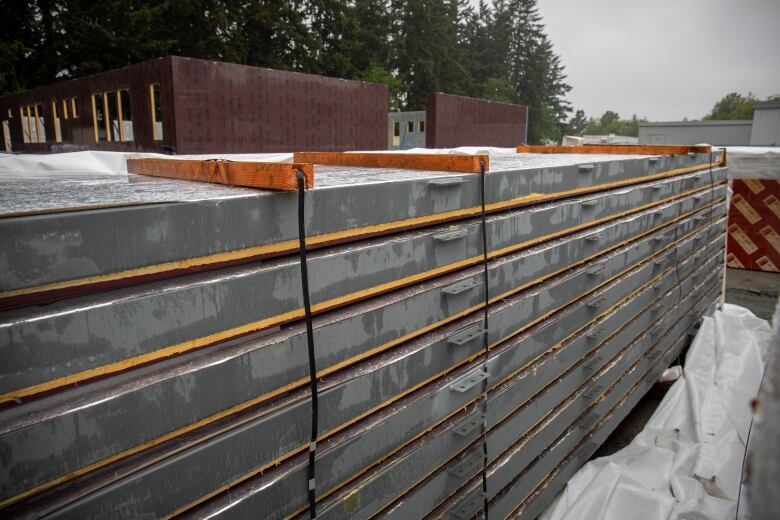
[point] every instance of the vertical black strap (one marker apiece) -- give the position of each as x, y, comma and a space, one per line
309, 341
486, 340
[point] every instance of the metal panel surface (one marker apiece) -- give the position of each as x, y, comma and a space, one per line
255, 496
536, 499
280, 357
646, 328
162, 240
516, 471
85, 337
280, 425
273, 418
399, 473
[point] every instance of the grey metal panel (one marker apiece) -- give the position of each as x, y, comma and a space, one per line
538, 498
645, 329
273, 423
74, 450
284, 424
546, 491
155, 234
511, 356
382, 486
81, 334
513, 469
717, 133
161, 404
766, 124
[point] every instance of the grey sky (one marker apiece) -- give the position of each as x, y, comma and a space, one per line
665, 59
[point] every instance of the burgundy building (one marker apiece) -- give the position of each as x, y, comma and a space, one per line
189, 106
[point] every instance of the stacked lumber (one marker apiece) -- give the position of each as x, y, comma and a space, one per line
155, 353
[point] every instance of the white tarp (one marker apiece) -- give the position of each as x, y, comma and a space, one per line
109, 162
116, 162
687, 461
753, 162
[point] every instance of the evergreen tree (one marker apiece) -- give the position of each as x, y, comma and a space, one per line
498, 52
429, 56
271, 34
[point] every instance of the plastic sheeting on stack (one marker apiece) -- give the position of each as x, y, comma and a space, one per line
687, 461
155, 359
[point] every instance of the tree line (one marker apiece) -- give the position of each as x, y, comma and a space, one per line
498, 51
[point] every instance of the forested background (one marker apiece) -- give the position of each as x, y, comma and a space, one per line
496, 51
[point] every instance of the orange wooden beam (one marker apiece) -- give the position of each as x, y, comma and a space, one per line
617, 149
408, 161
265, 175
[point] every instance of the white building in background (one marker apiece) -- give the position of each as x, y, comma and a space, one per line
570, 140
694, 132
766, 124
762, 130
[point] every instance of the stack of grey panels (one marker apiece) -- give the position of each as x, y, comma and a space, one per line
154, 356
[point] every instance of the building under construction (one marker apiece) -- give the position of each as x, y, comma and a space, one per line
189, 106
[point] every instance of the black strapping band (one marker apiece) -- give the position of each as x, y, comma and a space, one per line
310, 342
486, 341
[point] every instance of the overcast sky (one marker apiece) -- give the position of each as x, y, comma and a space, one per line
665, 59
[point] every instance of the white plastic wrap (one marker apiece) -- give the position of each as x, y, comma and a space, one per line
753, 162
687, 461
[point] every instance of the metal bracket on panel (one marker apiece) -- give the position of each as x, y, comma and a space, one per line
655, 331
589, 421
699, 218
469, 507
468, 426
446, 183
593, 238
469, 381
463, 467
585, 167
652, 159
595, 333
655, 308
593, 392
466, 334
584, 452
651, 378
591, 365
661, 260
692, 155
658, 238
460, 287
657, 187
658, 213
596, 269
657, 286
451, 235
590, 203
698, 197
653, 354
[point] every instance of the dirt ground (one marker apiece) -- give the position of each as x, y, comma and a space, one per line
755, 290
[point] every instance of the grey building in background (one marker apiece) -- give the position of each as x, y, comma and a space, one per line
406, 130
733, 133
766, 124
